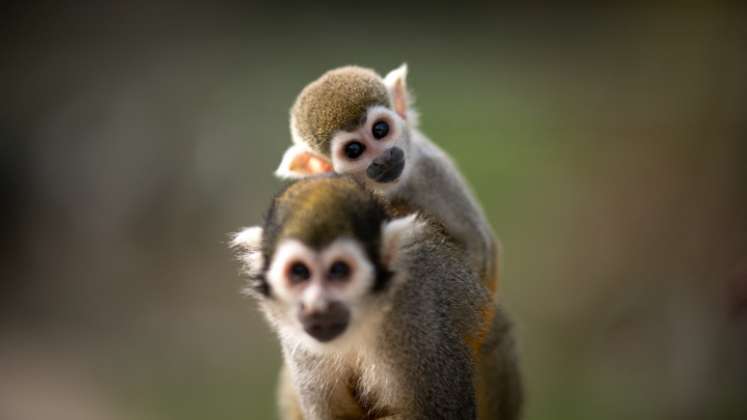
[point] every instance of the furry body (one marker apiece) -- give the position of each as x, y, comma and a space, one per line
409, 352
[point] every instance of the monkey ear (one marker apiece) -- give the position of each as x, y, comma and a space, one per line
248, 243
249, 239
396, 234
396, 83
300, 162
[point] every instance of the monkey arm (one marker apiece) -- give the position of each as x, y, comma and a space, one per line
437, 188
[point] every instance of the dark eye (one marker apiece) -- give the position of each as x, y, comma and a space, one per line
354, 149
299, 272
340, 270
380, 129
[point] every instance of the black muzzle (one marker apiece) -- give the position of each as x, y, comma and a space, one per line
388, 166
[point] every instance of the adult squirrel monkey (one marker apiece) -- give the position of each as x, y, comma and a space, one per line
375, 311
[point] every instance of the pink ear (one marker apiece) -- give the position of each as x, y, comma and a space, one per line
300, 162
395, 82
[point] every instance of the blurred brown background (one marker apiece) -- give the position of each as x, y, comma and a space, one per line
608, 146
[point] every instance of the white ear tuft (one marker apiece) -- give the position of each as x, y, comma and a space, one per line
249, 244
397, 233
398, 74
300, 162
396, 83
249, 239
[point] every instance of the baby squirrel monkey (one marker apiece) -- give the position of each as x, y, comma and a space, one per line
374, 311
351, 121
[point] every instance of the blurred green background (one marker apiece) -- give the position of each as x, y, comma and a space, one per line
608, 147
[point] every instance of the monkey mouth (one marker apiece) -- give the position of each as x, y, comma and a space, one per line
388, 167
326, 333
326, 325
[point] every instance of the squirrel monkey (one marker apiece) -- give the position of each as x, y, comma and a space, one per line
352, 121
374, 311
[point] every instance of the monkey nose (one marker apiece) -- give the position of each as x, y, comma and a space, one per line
325, 325
388, 166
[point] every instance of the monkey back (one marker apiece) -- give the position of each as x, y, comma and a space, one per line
336, 101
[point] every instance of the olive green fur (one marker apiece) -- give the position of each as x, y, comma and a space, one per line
318, 210
336, 101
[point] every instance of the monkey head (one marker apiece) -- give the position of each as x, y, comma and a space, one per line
352, 121
325, 260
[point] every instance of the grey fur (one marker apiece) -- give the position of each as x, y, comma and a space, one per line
422, 339
437, 187
338, 99
436, 306
419, 331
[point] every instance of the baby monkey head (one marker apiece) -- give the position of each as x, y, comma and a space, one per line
325, 260
351, 121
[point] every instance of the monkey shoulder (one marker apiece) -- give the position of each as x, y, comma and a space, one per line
436, 256
439, 287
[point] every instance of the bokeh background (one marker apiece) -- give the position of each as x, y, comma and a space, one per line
608, 147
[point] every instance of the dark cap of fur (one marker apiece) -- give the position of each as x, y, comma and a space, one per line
319, 210
336, 101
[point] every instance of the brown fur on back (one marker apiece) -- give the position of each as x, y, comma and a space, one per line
336, 101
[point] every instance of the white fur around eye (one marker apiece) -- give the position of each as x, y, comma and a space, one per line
341, 163
374, 147
288, 251
359, 284
362, 270
382, 113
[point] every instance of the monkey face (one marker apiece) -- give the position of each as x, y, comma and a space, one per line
351, 121
375, 152
320, 291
